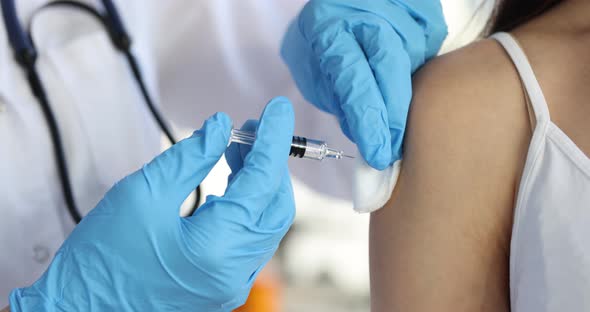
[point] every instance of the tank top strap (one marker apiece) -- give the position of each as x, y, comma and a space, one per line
527, 76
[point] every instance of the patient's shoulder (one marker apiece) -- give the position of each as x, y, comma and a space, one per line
468, 135
478, 83
470, 104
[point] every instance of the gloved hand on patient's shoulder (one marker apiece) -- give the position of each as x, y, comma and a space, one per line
354, 59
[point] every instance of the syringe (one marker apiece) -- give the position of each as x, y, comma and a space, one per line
300, 147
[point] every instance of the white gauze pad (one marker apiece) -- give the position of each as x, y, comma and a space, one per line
372, 188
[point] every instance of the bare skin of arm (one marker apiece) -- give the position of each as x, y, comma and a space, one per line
7, 309
441, 243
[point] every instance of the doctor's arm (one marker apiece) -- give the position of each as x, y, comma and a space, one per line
134, 252
442, 242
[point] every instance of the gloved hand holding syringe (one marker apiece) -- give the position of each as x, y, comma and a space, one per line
300, 147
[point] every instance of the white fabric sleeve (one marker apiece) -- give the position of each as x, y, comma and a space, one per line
219, 55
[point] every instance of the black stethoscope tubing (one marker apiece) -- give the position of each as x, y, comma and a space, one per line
26, 56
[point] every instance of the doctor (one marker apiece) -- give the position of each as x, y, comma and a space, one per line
132, 252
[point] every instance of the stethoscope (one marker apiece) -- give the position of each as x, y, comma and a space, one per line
26, 55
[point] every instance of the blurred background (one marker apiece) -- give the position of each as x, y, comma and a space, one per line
322, 264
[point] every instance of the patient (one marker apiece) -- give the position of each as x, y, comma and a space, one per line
492, 208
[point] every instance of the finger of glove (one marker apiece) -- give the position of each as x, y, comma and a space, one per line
255, 184
174, 174
392, 69
357, 93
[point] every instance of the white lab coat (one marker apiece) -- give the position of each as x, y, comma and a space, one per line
197, 56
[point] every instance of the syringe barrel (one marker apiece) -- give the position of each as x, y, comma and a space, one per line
307, 148
300, 147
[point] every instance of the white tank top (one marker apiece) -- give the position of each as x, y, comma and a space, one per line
550, 247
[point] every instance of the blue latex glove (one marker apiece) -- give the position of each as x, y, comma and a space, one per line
354, 59
134, 253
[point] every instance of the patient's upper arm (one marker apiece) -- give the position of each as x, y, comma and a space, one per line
442, 241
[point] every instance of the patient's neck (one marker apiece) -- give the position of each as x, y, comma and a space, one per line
579, 13
571, 16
